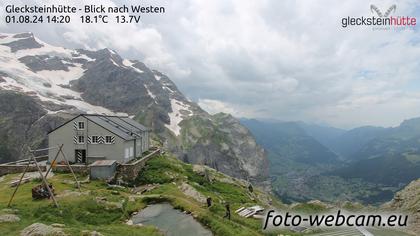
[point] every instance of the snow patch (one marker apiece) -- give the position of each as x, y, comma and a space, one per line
75, 100
7, 38
137, 70
63, 77
166, 85
111, 51
176, 116
157, 77
85, 57
127, 63
113, 62
130, 64
46, 85
150, 93
11, 84
92, 109
47, 49
167, 88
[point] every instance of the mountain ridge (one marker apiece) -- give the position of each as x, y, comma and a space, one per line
369, 164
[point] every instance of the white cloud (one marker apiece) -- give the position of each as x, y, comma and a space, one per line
216, 106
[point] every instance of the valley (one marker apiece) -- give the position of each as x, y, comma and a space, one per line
366, 164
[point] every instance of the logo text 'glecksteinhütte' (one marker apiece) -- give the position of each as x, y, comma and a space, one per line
380, 19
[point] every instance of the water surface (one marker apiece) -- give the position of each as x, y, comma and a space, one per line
170, 221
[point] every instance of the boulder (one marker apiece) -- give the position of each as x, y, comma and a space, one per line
109, 205
129, 222
39, 229
192, 192
9, 218
91, 233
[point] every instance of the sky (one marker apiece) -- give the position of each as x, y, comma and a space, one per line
285, 60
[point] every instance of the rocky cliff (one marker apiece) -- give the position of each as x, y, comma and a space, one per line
408, 200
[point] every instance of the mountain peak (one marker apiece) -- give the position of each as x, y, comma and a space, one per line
20, 41
24, 35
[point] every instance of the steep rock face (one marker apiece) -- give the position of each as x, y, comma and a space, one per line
60, 82
216, 140
23, 124
408, 200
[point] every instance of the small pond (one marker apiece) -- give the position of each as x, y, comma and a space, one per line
170, 221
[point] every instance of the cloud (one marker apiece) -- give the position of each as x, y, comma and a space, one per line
288, 60
216, 106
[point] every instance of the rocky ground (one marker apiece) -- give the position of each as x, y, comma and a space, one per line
408, 201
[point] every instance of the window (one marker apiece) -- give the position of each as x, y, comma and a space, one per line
131, 152
95, 139
81, 125
108, 139
80, 139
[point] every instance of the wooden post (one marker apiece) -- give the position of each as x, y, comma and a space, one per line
71, 169
55, 158
44, 180
17, 186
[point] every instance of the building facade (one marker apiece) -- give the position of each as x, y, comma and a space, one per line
88, 138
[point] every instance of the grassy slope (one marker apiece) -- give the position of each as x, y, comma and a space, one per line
76, 212
84, 213
169, 173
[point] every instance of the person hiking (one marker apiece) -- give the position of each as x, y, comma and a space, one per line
250, 188
209, 201
227, 206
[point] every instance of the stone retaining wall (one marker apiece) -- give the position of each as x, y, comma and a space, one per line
129, 171
80, 169
13, 169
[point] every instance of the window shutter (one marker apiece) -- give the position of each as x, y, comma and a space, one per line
89, 139
75, 125
75, 139
101, 139
112, 139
